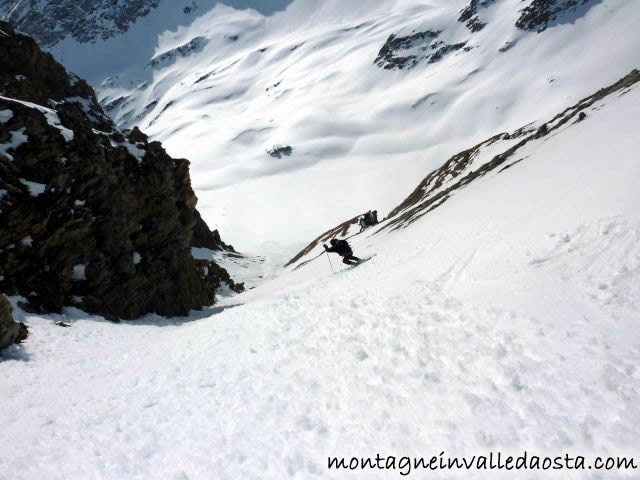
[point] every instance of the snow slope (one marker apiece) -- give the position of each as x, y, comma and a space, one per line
229, 86
506, 319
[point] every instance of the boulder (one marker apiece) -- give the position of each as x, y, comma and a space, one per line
10, 331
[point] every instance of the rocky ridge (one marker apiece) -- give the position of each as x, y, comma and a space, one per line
406, 52
541, 14
89, 216
467, 166
85, 21
469, 15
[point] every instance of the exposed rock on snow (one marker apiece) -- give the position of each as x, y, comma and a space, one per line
218, 278
203, 237
507, 46
469, 14
399, 53
118, 102
395, 53
10, 331
541, 14
278, 151
136, 201
194, 46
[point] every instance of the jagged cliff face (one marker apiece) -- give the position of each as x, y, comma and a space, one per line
85, 21
90, 217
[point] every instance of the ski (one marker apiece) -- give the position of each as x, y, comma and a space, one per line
362, 260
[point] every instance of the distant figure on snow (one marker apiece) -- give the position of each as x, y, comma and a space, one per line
362, 223
368, 220
342, 248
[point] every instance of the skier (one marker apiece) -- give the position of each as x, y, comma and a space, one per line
363, 224
368, 218
371, 218
342, 248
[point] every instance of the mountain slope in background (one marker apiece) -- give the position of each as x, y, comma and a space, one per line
324, 78
368, 95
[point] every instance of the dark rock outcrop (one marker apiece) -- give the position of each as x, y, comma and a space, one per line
194, 46
278, 151
217, 277
469, 15
400, 53
203, 237
10, 331
90, 217
392, 55
442, 49
85, 21
541, 14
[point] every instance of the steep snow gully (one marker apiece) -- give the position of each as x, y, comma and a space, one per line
500, 313
506, 319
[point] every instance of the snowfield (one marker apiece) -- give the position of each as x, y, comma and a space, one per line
506, 319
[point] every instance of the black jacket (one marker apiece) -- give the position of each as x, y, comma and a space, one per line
341, 247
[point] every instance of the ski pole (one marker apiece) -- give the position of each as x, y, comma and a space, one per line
330, 264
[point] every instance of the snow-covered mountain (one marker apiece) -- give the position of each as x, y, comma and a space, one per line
352, 87
499, 313
505, 320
